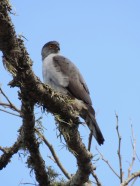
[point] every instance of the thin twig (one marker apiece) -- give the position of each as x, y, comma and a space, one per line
28, 184
12, 106
96, 178
137, 157
133, 143
119, 150
9, 112
135, 179
90, 140
106, 161
128, 180
5, 105
3, 149
51, 158
54, 154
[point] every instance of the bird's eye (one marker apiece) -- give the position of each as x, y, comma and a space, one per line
51, 46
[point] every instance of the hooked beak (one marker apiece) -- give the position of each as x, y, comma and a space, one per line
58, 48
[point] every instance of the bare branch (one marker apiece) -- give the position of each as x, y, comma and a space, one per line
51, 158
134, 180
54, 154
10, 112
28, 184
11, 105
78, 149
137, 157
2, 149
35, 161
130, 178
90, 140
119, 150
9, 152
133, 143
96, 179
106, 161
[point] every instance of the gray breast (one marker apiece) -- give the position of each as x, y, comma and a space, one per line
53, 76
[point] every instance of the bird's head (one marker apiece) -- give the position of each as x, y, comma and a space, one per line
51, 47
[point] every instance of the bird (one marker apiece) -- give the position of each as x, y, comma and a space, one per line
64, 77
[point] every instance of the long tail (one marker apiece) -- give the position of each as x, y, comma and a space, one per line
93, 126
88, 114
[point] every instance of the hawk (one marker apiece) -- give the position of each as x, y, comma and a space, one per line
64, 77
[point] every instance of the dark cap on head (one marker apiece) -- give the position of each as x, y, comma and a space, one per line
49, 48
52, 43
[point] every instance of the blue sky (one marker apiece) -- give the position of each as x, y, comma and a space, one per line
102, 38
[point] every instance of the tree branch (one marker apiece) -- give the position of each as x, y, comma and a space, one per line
133, 142
119, 150
9, 152
35, 161
78, 149
130, 178
10, 112
90, 140
96, 179
10, 105
106, 161
57, 161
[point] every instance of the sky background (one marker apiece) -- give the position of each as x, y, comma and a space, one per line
103, 39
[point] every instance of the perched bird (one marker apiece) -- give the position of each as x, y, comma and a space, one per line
64, 77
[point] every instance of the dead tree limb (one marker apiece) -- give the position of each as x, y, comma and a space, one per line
35, 160
57, 161
10, 105
98, 183
119, 150
107, 162
10, 112
130, 178
9, 152
133, 143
